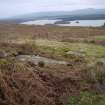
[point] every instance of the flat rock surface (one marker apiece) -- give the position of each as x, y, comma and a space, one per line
36, 59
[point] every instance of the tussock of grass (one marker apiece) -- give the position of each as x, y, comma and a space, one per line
95, 72
11, 66
41, 64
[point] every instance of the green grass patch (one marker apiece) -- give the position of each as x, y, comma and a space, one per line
99, 37
86, 98
56, 47
3, 62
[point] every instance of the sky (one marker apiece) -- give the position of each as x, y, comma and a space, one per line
9, 8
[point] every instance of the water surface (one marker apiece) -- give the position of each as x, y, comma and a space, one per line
93, 23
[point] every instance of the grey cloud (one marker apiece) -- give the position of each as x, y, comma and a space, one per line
16, 7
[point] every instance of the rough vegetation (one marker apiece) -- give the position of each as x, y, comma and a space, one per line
81, 81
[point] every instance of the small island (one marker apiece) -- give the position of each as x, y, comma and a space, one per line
62, 22
77, 22
104, 25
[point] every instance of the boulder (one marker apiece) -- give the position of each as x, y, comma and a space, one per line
3, 54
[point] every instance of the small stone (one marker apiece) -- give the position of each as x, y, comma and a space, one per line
75, 53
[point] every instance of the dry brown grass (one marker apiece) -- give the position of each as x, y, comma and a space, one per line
47, 32
24, 84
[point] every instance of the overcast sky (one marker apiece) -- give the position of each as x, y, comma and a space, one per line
10, 8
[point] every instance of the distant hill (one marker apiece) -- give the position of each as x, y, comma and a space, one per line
81, 14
